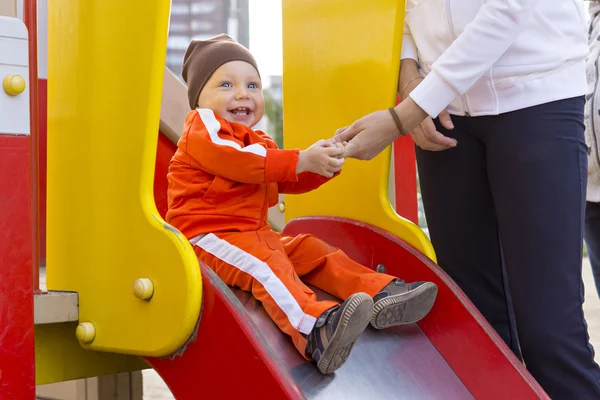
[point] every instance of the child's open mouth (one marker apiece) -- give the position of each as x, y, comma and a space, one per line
241, 111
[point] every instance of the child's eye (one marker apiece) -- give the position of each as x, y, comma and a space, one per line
253, 86
226, 84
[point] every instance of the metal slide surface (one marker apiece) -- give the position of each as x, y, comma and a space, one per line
398, 363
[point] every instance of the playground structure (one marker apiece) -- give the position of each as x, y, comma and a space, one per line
125, 291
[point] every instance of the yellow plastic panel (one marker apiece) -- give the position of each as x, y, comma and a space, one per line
59, 357
106, 68
340, 62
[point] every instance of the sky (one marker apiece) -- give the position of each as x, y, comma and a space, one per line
265, 36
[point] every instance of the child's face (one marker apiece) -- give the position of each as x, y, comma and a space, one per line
234, 91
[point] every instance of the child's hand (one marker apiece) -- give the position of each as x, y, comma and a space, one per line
321, 158
341, 145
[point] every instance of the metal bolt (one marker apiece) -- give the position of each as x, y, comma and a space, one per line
143, 288
85, 332
381, 269
13, 84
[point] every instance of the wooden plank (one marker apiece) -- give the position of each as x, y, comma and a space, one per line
8, 8
55, 307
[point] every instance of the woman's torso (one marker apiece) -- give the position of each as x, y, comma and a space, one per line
544, 63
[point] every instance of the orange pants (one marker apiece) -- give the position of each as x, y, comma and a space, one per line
269, 265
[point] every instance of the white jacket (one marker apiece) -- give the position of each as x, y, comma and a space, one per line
486, 57
592, 106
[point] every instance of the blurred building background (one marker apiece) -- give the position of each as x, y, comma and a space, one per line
202, 19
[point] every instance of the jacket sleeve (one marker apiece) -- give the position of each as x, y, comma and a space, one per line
212, 148
483, 41
307, 181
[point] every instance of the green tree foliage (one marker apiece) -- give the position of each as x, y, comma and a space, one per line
274, 113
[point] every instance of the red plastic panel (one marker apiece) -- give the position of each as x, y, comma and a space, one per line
226, 359
463, 337
405, 179
17, 379
164, 152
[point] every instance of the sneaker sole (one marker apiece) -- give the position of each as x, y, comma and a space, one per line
404, 308
355, 317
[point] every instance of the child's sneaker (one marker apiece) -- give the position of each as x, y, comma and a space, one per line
336, 330
401, 303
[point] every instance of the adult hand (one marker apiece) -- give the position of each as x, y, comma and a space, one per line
425, 135
368, 136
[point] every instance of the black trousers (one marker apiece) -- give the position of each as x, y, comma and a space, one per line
592, 239
505, 211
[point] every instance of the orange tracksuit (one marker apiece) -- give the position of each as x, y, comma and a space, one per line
222, 179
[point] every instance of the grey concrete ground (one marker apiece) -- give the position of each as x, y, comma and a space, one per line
155, 389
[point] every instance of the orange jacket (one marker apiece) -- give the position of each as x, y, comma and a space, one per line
224, 176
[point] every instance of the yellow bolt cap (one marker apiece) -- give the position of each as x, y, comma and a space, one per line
281, 206
143, 288
85, 332
13, 84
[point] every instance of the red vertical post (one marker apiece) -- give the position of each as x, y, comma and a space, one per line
17, 357
405, 179
30, 16
17, 346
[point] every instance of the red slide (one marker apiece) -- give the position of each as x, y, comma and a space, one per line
238, 352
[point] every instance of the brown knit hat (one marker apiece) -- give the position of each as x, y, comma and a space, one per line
203, 57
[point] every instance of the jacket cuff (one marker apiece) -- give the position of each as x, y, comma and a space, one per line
409, 48
280, 165
433, 94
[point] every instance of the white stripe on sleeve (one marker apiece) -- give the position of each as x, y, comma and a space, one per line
213, 126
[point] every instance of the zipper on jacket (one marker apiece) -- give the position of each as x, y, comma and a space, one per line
451, 26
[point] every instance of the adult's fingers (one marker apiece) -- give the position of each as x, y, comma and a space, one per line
432, 135
352, 149
446, 120
421, 140
340, 130
336, 138
346, 134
